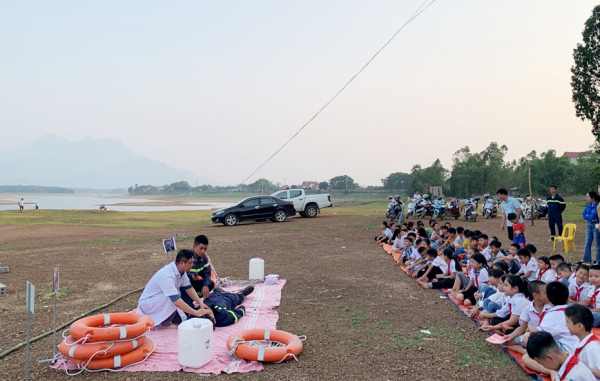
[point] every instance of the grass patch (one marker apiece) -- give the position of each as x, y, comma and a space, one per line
358, 317
359, 343
49, 293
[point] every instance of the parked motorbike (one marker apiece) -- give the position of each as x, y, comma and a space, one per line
529, 208
471, 209
542, 209
395, 209
453, 210
439, 209
420, 209
490, 207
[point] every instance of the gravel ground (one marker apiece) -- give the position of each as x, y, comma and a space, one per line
361, 314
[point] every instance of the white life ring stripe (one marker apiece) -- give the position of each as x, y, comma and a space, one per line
72, 350
267, 334
261, 354
106, 319
117, 363
123, 332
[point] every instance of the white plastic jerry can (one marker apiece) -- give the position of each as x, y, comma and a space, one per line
257, 269
195, 342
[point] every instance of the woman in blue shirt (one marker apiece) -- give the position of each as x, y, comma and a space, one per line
590, 214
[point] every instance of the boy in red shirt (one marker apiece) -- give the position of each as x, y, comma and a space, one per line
518, 230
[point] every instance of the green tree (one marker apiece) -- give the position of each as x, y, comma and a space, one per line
423, 178
342, 182
585, 80
397, 180
323, 185
180, 187
262, 185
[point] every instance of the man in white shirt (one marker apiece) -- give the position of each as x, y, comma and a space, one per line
417, 197
542, 348
161, 299
509, 205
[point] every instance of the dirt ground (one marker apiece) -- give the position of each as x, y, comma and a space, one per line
361, 314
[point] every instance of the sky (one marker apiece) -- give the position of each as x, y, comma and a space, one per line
217, 87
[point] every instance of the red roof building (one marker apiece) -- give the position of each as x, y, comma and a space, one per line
310, 185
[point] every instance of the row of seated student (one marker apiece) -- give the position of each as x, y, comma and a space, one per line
543, 308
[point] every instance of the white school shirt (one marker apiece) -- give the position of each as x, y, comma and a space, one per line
486, 254
414, 254
555, 323
439, 262
590, 354
398, 244
530, 266
579, 372
531, 316
578, 293
572, 278
593, 291
388, 233
453, 269
513, 305
480, 277
155, 301
459, 241
545, 276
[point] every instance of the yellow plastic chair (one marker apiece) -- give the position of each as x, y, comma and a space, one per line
568, 235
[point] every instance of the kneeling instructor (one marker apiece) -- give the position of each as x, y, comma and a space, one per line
161, 298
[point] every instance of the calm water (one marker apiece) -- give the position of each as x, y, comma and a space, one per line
91, 202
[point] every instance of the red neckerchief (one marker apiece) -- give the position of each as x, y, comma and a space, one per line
542, 272
544, 314
593, 298
541, 316
558, 278
476, 279
577, 296
572, 362
449, 268
589, 340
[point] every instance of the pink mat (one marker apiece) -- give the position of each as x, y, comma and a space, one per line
260, 313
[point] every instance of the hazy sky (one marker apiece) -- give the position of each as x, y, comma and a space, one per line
217, 86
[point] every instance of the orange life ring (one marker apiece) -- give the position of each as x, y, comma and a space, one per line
95, 327
293, 345
68, 348
118, 361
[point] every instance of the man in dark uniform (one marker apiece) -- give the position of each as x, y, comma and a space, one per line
224, 305
556, 205
200, 274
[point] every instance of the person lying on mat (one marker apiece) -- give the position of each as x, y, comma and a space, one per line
200, 273
224, 305
161, 299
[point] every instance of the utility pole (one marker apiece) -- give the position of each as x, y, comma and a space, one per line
530, 194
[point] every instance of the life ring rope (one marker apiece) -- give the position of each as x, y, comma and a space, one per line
263, 345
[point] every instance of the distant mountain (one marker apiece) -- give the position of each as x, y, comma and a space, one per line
103, 163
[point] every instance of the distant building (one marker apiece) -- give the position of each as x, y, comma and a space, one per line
573, 157
314, 185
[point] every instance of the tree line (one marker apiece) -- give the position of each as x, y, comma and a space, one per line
475, 173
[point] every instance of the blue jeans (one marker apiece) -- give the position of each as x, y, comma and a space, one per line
596, 319
486, 290
460, 250
490, 306
592, 234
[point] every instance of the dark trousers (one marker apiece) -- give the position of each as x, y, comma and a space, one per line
443, 283
434, 271
558, 222
510, 233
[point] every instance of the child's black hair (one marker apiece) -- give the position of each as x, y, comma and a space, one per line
443, 227
494, 238
511, 216
396, 233
595, 267
521, 284
557, 257
545, 260
582, 266
426, 241
580, 314
501, 266
540, 343
534, 287
563, 266
460, 230
420, 223
467, 232
411, 224
516, 245
451, 231
497, 244
421, 249
385, 223
422, 232
483, 236
418, 241
477, 232
532, 249
479, 258
496, 273
411, 239
524, 253
432, 253
503, 277
413, 235
557, 293
431, 222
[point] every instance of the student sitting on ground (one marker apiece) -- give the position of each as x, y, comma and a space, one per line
484, 248
495, 295
528, 265
460, 240
477, 276
507, 318
554, 323
544, 272
494, 250
530, 316
409, 252
592, 299
512, 260
437, 266
445, 280
565, 273
386, 233
416, 260
579, 323
556, 260
578, 289
399, 240
543, 349
441, 239
421, 233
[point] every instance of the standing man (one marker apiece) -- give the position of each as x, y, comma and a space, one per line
509, 205
200, 273
556, 205
161, 299
21, 206
428, 193
417, 197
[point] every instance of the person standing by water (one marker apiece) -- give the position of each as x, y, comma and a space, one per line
21, 206
590, 214
556, 205
509, 205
